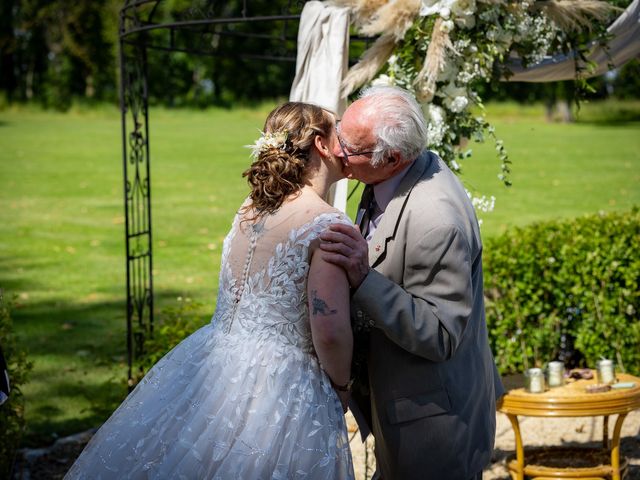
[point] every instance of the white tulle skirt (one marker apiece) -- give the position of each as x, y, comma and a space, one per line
222, 406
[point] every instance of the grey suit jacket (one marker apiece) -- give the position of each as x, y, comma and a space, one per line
432, 379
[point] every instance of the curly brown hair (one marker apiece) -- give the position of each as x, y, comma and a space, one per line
278, 172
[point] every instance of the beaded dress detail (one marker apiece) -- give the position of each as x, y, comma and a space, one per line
243, 397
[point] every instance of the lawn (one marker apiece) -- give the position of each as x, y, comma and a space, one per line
62, 232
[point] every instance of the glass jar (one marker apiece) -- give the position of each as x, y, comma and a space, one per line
555, 374
534, 378
605, 370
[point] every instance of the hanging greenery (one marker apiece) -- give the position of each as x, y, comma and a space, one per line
443, 50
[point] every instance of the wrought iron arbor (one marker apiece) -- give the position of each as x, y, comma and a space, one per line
215, 28
204, 27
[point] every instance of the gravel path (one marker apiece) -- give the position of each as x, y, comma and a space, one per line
536, 432
583, 432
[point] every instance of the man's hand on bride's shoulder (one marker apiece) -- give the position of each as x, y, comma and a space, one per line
343, 245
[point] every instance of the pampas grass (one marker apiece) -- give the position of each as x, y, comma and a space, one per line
394, 18
434, 62
363, 10
371, 62
571, 15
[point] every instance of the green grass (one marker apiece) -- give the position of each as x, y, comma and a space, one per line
559, 170
62, 232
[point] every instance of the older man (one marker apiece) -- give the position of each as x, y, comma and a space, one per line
417, 289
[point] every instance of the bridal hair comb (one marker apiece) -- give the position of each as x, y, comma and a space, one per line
267, 141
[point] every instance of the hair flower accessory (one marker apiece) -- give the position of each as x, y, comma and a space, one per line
267, 141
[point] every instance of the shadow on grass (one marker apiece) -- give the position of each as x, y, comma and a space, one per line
46, 423
79, 354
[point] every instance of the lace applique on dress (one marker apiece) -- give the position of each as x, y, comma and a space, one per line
244, 396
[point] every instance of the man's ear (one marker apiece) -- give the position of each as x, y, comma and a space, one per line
395, 162
394, 159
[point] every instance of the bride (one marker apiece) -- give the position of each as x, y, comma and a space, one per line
260, 392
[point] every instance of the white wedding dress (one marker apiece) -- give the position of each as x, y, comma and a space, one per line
244, 397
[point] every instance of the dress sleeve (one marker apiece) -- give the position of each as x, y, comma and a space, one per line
312, 230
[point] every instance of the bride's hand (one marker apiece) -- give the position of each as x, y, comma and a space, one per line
343, 245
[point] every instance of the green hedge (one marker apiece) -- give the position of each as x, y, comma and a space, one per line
12, 411
174, 323
578, 277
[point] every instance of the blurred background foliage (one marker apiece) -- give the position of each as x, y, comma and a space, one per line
57, 52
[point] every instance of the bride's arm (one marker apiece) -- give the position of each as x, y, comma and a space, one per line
328, 296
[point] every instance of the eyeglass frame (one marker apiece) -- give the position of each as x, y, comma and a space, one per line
344, 150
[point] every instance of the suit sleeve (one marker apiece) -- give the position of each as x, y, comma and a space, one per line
428, 315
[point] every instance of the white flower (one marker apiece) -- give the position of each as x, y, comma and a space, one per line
432, 7
266, 141
459, 104
455, 98
434, 114
447, 26
463, 8
449, 72
482, 204
383, 80
436, 126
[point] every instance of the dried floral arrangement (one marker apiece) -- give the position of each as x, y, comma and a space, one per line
442, 50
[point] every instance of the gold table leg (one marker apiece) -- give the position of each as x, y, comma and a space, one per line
615, 447
519, 449
605, 432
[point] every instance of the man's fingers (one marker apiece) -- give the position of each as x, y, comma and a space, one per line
336, 259
337, 248
350, 231
333, 238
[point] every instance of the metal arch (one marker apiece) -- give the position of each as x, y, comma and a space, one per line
201, 29
144, 26
137, 199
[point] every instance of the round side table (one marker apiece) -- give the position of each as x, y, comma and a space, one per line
571, 400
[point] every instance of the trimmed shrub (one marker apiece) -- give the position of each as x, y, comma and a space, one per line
577, 278
174, 324
12, 411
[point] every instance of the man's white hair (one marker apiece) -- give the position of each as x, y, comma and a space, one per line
398, 123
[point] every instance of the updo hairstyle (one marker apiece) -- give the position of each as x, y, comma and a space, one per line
279, 171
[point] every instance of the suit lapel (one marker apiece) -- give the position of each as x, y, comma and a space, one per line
391, 218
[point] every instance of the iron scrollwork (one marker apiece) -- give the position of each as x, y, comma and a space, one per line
137, 193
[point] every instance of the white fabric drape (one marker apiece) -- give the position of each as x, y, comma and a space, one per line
623, 46
321, 63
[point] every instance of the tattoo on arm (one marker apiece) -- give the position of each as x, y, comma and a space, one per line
319, 305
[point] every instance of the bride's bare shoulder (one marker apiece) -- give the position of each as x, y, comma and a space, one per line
313, 209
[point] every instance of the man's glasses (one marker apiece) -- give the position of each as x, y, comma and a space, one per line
344, 149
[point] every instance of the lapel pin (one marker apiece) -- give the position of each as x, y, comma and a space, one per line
377, 248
